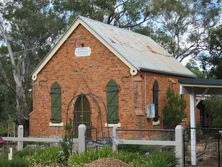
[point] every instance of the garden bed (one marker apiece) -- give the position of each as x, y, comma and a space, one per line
102, 157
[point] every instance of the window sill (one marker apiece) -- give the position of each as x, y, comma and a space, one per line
184, 120
56, 124
112, 125
156, 123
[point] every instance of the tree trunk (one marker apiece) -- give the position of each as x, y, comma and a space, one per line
18, 76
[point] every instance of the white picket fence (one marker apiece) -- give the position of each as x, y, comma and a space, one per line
177, 143
80, 141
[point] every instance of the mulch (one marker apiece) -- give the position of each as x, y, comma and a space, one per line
108, 162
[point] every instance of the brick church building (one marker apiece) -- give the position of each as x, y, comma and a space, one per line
101, 75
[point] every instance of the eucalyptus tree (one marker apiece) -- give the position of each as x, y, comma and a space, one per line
121, 13
28, 29
213, 61
181, 26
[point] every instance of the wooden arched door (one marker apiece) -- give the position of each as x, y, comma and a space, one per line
82, 115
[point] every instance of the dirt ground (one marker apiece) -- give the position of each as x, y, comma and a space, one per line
212, 162
107, 162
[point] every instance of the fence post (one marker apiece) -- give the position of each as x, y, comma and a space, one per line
81, 138
114, 139
179, 145
20, 138
10, 154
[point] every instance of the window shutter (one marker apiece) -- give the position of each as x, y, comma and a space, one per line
112, 102
155, 99
55, 103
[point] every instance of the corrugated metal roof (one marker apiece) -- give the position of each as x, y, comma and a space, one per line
139, 50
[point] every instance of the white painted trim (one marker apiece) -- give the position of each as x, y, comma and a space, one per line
156, 122
133, 70
56, 124
112, 125
202, 86
183, 90
148, 142
201, 97
54, 50
193, 130
35, 139
184, 120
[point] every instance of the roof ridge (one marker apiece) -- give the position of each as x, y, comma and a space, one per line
125, 30
116, 27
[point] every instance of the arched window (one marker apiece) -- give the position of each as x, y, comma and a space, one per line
112, 102
155, 99
56, 106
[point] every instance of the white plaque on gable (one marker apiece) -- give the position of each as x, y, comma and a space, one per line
83, 51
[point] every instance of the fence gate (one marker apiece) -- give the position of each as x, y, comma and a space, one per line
82, 115
208, 146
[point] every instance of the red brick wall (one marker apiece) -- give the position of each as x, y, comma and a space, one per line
80, 75
164, 82
91, 74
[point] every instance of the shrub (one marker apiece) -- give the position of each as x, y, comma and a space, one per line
135, 159
50, 156
18, 159
89, 156
3, 131
160, 159
16, 162
128, 157
92, 155
173, 112
130, 148
67, 142
25, 152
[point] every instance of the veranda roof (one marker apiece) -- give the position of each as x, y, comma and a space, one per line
200, 85
195, 87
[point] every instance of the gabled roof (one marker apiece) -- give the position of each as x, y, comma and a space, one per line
138, 52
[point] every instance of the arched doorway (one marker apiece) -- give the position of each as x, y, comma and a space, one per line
82, 115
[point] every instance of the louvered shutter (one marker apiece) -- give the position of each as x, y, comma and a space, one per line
112, 103
55, 103
155, 99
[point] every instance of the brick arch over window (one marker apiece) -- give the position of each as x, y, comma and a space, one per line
56, 101
155, 99
112, 96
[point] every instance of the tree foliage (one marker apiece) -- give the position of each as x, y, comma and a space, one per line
212, 62
121, 13
182, 25
213, 105
193, 67
173, 112
28, 30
